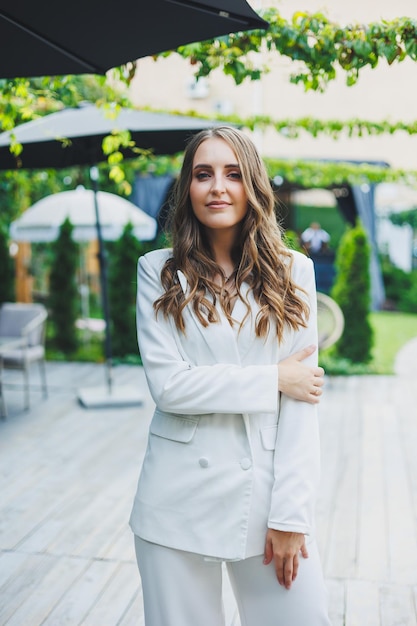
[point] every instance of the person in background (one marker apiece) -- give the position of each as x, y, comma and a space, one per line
227, 331
315, 238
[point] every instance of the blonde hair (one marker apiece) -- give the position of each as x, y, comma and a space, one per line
261, 258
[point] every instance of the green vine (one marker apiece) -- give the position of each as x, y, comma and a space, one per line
323, 174
306, 173
355, 127
320, 46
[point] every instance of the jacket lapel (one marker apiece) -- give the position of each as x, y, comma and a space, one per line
220, 338
246, 334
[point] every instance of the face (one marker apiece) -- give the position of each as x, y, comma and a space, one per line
217, 195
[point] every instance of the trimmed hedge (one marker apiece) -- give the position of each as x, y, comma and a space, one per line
7, 272
351, 291
63, 298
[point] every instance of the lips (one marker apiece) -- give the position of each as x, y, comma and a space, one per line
218, 205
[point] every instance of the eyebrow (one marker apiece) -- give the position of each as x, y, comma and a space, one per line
208, 166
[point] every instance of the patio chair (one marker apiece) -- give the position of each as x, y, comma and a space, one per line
26, 322
330, 321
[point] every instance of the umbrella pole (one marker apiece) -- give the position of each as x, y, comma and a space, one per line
122, 396
102, 259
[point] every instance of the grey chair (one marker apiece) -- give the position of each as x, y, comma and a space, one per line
26, 324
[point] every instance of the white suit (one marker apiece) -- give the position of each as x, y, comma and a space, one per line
227, 456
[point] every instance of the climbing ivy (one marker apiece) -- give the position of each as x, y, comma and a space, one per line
293, 127
324, 173
320, 47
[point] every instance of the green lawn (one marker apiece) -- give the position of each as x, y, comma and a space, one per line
391, 331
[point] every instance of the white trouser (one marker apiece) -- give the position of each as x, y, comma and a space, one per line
185, 589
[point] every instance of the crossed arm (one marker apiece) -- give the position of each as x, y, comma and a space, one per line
300, 382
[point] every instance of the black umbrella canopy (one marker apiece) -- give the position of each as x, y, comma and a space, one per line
85, 127
46, 38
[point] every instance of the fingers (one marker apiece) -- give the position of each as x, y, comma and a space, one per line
304, 551
304, 353
294, 572
299, 380
318, 381
286, 570
284, 549
268, 552
316, 391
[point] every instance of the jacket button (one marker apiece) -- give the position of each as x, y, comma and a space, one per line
245, 463
203, 462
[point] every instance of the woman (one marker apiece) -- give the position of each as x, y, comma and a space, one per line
227, 333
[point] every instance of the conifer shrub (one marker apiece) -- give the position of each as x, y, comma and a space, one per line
351, 291
7, 271
63, 301
400, 287
122, 293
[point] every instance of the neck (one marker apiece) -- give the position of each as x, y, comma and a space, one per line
222, 246
222, 242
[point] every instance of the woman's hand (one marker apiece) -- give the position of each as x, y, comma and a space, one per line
284, 548
298, 380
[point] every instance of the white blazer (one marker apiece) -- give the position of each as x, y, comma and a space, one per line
228, 456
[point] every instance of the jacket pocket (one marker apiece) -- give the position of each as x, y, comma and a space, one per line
174, 427
269, 436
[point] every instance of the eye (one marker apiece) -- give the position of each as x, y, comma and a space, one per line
202, 175
235, 175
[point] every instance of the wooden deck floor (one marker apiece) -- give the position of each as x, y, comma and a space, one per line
68, 475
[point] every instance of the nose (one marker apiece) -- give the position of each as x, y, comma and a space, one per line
218, 185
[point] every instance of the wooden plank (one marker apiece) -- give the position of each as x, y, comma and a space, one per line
336, 601
38, 602
89, 524
133, 615
77, 602
373, 524
122, 547
362, 603
331, 425
397, 606
401, 516
414, 612
10, 563
118, 594
68, 476
406, 403
340, 548
25, 582
49, 508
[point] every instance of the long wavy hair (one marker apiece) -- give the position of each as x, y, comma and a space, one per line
261, 258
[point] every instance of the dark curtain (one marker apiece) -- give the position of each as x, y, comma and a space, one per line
364, 197
150, 193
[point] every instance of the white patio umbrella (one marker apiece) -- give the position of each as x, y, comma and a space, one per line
41, 222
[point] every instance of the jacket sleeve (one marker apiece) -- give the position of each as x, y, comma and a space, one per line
180, 387
297, 450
